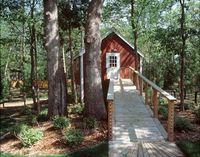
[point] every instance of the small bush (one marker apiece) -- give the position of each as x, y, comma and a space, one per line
183, 124
30, 136
190, 148
27, 111
60, 122
18, 128
197, 113
185, 105
90, 122
43, 115
31, 119
73, 136
162, 101
5, 89
163, 111
78, 109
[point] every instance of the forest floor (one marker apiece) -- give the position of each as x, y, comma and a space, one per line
53, 140
193, 135
188, 114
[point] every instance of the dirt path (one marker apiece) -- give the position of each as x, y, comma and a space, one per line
19, 103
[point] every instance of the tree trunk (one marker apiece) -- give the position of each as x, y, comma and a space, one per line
56, 79
22, 44
182, 53
33, 53
94, 100
65, 69
135, 49
135, 37
73, 86
195, 96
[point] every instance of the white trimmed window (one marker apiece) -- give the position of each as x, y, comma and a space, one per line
113, 61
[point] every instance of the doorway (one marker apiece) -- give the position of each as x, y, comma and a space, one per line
113, 65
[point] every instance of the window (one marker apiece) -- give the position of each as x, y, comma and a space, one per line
113, 61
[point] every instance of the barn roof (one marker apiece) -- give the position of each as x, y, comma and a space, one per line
113, 30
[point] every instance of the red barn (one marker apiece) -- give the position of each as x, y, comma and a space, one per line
117, 54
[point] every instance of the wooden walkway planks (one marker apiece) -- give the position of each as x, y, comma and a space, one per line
143, 149
135, 131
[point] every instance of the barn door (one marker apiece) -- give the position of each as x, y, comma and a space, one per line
113, 65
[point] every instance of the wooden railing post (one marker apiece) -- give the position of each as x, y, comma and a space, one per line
131, 75
155, 103
170, 123
24, 98
110, 112
146, 94
110, 103
141, 86
134, 78
137, 81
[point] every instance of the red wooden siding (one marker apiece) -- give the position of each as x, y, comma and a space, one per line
127, 57
110, 43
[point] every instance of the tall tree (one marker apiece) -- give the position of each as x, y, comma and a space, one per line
70, 18
73, 86
135, 37
94, 101
135, 32
33, 54
56, 79
182, 52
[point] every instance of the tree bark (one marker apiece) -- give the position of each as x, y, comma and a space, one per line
182, 53
73, 86
195, 96
33, 53
22, 44
94, 100
135, 37
56, 79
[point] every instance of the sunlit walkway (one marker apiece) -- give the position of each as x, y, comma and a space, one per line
135, 131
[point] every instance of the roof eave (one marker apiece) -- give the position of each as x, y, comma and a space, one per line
121, 37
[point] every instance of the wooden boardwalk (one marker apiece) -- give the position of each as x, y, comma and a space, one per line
135, 132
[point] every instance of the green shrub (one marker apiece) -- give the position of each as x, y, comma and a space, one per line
185, 105
43, 115
31, 119
60, 122
163, 111
190, 148
90, 122
162, 101
18, 128
5, 90
30, 136
78, 109
197, 113
73, 136
27, 111
183, 124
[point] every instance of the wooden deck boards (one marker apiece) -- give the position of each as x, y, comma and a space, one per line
135, 132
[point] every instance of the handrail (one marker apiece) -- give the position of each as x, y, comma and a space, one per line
110, 95
171, 100
110, 100
160, 90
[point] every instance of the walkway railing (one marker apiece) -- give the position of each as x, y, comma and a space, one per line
141, 81
110, 100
